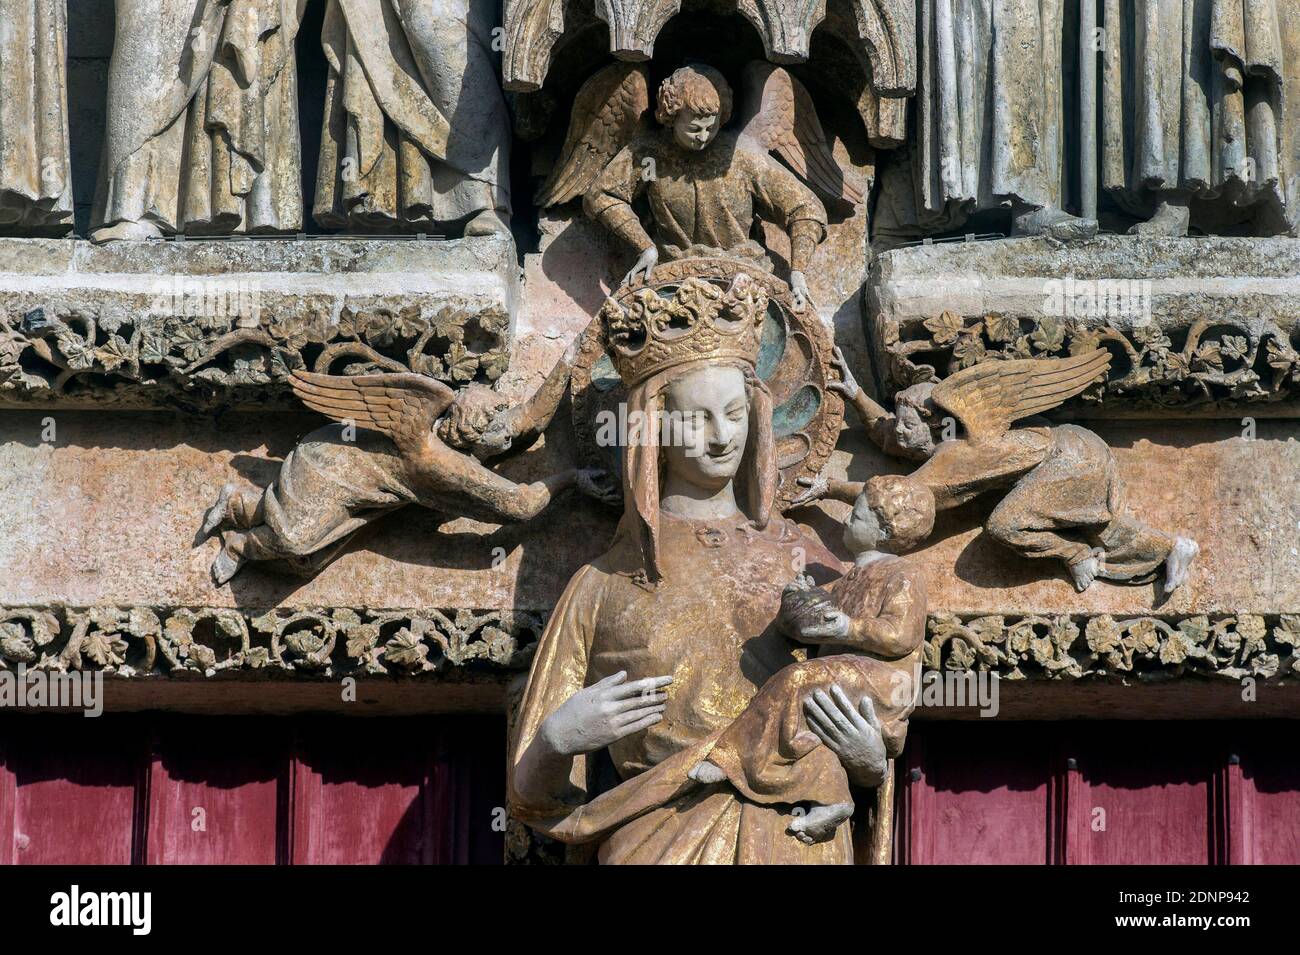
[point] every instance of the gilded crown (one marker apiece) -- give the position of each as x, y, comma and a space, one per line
699, 321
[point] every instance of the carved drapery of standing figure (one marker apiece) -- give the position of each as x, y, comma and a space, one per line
1199, 112
990, 119
35, 169
202, 133
416, 130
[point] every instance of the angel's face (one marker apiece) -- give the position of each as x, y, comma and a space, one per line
913, 419
694, 131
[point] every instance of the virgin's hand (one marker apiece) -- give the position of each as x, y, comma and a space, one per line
851, 733
847, 385
644, 265
604, 713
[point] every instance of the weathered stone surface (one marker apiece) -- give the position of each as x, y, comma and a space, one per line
209, 324
107, 513
1210, 325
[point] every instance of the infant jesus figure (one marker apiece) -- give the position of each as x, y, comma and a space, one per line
868, 628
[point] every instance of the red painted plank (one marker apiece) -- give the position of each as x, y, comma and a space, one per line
466, 792
1145, 794
982, 797
1264, 796
356, 792
215, 791
75, 784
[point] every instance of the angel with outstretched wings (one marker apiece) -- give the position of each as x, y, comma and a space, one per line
1061, 494
399, 439
705, 186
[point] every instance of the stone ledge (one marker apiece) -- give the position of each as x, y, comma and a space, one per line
207, 324
1202, 326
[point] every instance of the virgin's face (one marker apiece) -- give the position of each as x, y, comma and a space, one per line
693, 131
707, 426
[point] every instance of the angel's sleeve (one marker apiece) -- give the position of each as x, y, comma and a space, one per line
609, 200
544, 792
783, 199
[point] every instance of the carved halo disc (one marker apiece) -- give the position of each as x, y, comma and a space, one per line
794, 361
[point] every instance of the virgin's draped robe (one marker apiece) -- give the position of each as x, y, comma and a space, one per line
1202, 98
35, 169
709, 624
989, 112
416, 131
202, 133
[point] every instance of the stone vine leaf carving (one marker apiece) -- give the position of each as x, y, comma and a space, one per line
199, 360
205, 642
1144, 647
208, 641
1167, 363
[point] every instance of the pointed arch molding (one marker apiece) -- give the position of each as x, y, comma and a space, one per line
880, 31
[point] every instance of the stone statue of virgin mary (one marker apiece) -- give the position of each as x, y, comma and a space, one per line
657, 647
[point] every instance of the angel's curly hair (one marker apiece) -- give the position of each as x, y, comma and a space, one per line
904, 507
697, 87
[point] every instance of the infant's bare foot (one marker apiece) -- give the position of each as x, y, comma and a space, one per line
707, 773
820, 822
1179, 562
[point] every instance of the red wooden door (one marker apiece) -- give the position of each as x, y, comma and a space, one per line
1099, 792
164, 789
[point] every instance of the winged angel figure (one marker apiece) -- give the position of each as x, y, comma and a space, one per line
1062, 496
705, 187
399, 439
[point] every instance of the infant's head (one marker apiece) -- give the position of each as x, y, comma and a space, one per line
892, 513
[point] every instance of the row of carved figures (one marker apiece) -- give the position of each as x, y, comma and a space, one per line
1188, 112
201, 132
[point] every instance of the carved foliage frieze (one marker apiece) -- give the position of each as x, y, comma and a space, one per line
329, 643
1224, 362
1144, 648
208, 357
310, 643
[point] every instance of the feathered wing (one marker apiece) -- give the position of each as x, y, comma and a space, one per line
777, 113
987, 398
402, 406
607, 113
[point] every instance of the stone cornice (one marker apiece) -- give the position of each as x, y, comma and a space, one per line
202, 325
1202, 326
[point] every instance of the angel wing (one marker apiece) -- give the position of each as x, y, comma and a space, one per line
777, 112
987, 398
402, 406
607, 113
